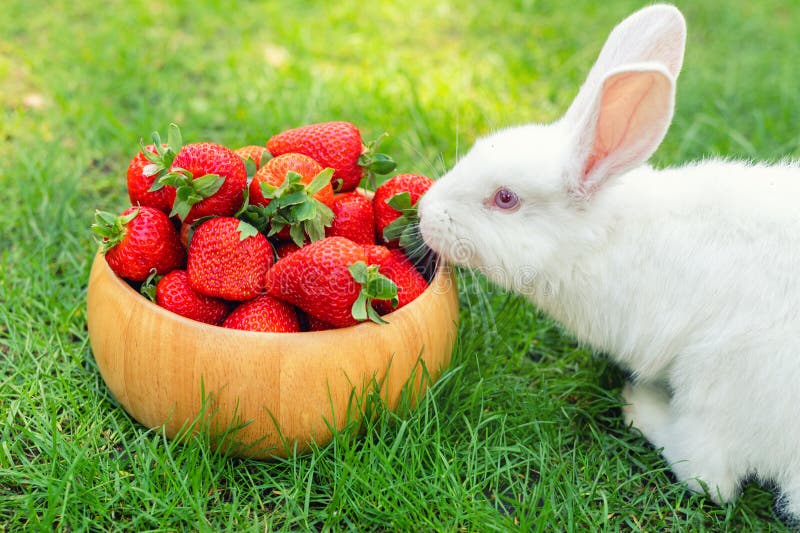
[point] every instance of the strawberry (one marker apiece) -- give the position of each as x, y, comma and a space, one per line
263, 313
139, 183
289, 196
228, 259
139, 240
209, 180
310, 323
257, 154
376, 253
337, 145
352, 218
282, 249
330, 280
410, 283
274, 173
315, 324
185, 233
174, 293
148, 166
395, 204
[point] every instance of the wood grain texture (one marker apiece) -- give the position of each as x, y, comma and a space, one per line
159, 366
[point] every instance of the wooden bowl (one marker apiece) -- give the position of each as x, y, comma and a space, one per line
289, 389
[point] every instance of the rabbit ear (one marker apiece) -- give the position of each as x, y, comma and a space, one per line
654, 34
625, 106
624, 126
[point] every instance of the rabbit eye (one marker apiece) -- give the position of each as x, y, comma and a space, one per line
506, 198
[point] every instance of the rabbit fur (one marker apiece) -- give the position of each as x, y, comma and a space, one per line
688, 277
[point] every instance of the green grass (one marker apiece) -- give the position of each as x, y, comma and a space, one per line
523, 431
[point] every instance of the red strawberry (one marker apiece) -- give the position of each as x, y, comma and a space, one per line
263, 313
376, 254
228, 259
185, 233
174, 293
337, 145
352, 218
148, 166
310, 323
289, 197
404, 191
209, 180
254, 152
330, 280
274, 173
285, 248
410, 283
139, 240
315, 324
142, 173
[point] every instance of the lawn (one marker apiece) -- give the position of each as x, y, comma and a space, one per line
524, 429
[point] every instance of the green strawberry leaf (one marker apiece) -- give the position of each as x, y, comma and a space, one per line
190, 191
102, 219
156, 186
276, 228
293, 198
208, 185
382, 288
374, 316
250, 167
245, 203
148, 288
405, 227
151, 170
180, 209
374, 286
155, 159
320, 181
246, 230
176, 177
400, 201
395, 229
325, 214
111, 228
297, 233
174, 138
359, 272
304, 211
293, 204
375, 163
360, 307
254, 215
382, 164
268, 190
291, 179
314, 231
161, 161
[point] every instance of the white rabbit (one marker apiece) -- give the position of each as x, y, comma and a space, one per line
689, 277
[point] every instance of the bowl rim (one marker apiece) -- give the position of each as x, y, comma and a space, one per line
438, 280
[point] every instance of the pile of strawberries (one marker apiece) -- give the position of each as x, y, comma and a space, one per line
269, 238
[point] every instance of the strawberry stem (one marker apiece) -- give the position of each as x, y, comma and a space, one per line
375, 163
148, 288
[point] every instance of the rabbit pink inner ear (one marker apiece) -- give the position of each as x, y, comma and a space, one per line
633, 114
